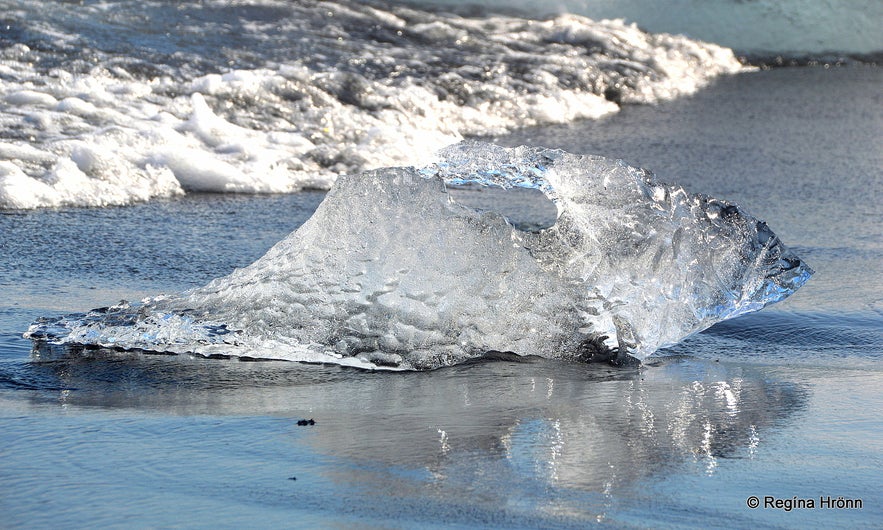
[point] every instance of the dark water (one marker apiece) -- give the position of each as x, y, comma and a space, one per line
783, 403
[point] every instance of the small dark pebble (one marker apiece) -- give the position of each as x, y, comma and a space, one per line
310, 421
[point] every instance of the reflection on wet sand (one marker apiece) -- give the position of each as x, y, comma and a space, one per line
535, 435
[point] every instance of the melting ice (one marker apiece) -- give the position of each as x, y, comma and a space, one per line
392, 271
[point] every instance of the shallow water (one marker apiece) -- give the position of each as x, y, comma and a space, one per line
781, 403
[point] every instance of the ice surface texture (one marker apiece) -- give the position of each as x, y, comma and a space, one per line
391, 271
279, 96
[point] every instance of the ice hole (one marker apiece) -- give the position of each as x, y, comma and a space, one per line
528, 210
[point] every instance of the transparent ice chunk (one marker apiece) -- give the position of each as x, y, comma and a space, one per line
392, 271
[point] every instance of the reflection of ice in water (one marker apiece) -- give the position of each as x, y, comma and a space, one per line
544, 436
650, 426
584, 444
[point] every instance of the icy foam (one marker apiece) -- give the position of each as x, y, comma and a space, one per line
391, 271
765, 27
369, 88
